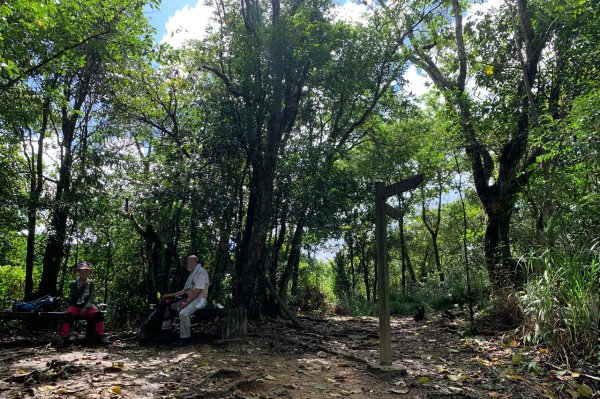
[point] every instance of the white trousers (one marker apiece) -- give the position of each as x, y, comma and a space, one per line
184, 316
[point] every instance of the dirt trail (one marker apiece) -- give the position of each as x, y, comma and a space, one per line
326, 358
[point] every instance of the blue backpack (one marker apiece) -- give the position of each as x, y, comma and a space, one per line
43, 304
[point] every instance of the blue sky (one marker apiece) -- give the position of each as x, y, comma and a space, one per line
177, 21
158, 18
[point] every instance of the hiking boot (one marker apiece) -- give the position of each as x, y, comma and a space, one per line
181, 342
103, 341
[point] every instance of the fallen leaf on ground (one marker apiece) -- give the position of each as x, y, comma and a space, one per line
514, 377
440, 369
585, 391
116, 389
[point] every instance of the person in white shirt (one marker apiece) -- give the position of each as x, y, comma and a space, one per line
196, 291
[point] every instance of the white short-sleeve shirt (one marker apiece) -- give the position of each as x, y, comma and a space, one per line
200, 280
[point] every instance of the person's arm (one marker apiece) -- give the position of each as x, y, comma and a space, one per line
180, 292
193, 294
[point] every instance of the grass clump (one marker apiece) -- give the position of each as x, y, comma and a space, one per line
560, 303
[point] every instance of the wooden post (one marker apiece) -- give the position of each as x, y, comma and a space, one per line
385, 339
382, 209
235, 324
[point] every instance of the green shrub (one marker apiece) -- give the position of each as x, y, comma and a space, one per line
12, 282
354, 305
560, 303
311, 298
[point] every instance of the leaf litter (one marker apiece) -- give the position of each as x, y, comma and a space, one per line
327, 357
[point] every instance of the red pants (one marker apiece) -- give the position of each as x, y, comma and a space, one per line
89, 314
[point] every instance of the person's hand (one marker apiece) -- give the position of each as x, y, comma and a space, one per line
165, 296
183, 304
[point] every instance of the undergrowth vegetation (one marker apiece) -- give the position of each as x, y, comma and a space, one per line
560, 302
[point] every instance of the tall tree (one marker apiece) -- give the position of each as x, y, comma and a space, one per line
497, 187
79, 84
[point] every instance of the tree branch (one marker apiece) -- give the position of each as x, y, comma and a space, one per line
58, 54
227, 83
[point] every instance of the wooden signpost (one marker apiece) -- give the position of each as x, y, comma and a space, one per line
382, 192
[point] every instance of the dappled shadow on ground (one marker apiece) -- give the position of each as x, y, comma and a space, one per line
326, 358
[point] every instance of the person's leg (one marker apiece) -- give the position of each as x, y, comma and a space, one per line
186, 313
98, 318
70, 314
185, 322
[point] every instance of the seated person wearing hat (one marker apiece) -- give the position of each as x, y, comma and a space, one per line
81, 303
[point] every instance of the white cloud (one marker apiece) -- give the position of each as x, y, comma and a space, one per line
477, 10
417, 81
350, 12
189, 23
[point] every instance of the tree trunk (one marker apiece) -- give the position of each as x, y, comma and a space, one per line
171, 251
365, 267
53, 255
194, 244
252, 259
222, 263
272, 303
54, 252
352, 272
36, 185
434, 227
152, 255
293, 261
75, 93
240, 236
36, 177
411, 269
502, 268
436, 254
406, 263
464, 246
424, 272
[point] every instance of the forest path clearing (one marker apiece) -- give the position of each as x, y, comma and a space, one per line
327, 358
